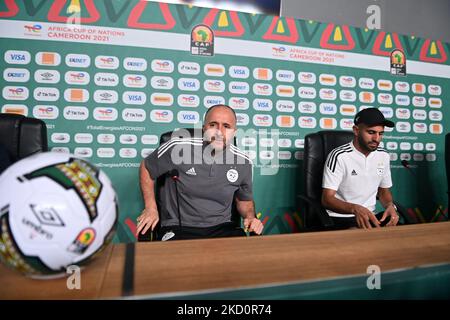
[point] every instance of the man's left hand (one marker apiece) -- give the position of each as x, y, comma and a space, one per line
390, 212
253, 225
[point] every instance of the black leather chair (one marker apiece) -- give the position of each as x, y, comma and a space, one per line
181, 133
22, 136
317, 147
447, 164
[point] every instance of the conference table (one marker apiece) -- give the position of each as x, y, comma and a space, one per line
412, 261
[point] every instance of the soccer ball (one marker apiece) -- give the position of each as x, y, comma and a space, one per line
56, 210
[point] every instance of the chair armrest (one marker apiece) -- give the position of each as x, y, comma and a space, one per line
325, 219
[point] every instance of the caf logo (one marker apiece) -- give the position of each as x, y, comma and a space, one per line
202, 41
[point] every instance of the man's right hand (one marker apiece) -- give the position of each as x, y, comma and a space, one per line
149, 218
364, 216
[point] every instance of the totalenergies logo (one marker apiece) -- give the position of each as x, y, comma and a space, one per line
262, 89
188, 99
135, 79
419, 101
238, 102
402, 86
307, 77
403, 113
434, 89
165, 66
327, 94
214, 84
15, 91
46, 110
105, 112
262, 120
161, 116
279, 51
78, 76
347, 81
307, 122
162, 64
36, 28
346, 123
107, 60
420, 127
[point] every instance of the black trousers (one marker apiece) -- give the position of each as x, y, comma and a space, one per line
346, 223
228, 229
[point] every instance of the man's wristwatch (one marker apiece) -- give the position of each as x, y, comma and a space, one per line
395, 207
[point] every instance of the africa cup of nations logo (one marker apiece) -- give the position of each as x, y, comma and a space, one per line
202, 41
398, 62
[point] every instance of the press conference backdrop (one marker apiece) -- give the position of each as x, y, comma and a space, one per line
108, 77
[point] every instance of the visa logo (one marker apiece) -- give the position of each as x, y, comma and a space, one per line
188, 117
134, 98
17, 57
189, 84
239, 72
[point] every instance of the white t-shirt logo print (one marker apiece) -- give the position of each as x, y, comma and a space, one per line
380, 169
232, 175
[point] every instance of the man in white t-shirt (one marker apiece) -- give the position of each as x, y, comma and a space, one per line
356, 172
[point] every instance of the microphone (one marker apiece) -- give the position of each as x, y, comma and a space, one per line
405, 163
175, 175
